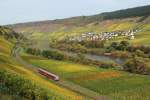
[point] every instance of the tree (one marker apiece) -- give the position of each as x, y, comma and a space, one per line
137, 65
123, 45
140, 53
54, 55
114, 45
80, 56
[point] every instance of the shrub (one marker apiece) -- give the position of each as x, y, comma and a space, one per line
17, 85
54, 55
140, 53
137, 65
108, 65
114, 45
33, 51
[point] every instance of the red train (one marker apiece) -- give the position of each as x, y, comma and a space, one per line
48, 74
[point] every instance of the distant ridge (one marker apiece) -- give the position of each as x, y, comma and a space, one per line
130, 12
53, 25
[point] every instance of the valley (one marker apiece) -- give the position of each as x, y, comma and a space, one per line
15, 68
99, 57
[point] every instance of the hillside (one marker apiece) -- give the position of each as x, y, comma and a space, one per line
13, 72
99, 57
122, 20
53, 25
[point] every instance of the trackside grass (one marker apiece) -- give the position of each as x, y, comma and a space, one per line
117, 85
10, 64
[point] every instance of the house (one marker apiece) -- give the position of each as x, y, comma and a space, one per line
132, 37
104, 35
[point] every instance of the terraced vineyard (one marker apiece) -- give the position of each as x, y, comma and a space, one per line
113, 66
107, 82
10, 64
64, 31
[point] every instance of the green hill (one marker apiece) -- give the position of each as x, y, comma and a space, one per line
122, 20
16, 80
19, 79
84, 20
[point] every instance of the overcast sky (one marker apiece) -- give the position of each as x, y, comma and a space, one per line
17, 11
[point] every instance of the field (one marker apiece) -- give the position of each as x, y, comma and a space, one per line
112, 83
140, 38
78, 81
10, 64
115, 84
41, 36
64, 69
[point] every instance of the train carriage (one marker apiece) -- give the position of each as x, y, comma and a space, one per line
48, 74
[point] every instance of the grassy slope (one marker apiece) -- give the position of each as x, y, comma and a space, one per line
115, 84
40, 39
9, 63
121, 85
6, 97
65, 69
59, 29
134, 18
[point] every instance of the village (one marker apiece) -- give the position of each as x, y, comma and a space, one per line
104, 35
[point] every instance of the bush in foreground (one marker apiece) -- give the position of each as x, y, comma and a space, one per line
13, 84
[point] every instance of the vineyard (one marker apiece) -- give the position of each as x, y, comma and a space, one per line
108, 82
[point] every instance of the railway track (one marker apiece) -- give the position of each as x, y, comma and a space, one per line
81, 90
69, 85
